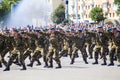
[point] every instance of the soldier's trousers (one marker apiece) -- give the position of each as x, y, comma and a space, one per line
53, 54
97, 52
118, 54
27, 53
38, 53
90, 49
113, 52
83, 52
14, 55
3, 53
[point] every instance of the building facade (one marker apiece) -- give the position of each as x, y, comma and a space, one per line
84, 7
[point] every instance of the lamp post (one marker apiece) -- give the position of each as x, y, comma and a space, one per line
66, 11
76, 6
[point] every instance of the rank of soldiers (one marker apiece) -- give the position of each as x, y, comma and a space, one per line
51, 44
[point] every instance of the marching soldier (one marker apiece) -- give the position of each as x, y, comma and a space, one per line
40, 48
89, 36
53, 49
79, 44
19, 48
101, 45
115, 48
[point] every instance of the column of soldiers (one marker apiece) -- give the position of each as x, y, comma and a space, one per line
51, 44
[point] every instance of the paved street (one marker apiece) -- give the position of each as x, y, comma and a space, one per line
78, 71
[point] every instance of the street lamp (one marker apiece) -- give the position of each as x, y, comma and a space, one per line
66, 11
76, 5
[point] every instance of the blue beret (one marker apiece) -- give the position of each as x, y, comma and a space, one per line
37, 30
7, 31
72, 28
67, 30
59, 28
95, 30
100, 27
15, 30
114, 28
52, 28
109, 29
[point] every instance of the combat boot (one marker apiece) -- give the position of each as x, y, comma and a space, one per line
96, 61
72, 62
0, 64
104, 63
118, 65
50, 66
46, 65
39, 63
24, 67
7, 69
59, 66
31, 64
90, 57
111, 63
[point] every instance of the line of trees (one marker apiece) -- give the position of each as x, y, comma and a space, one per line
5, 8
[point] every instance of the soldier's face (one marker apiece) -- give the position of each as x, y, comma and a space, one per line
100, 29
114, 31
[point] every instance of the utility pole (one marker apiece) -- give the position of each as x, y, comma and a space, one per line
76, 7
66, 11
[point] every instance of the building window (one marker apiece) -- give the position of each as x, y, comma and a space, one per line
86, 7
86, 15
79, 7
109, 5
113, 14
110, 14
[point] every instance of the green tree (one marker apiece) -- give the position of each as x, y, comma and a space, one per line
117, 2
96, 14
58, 15
5, 8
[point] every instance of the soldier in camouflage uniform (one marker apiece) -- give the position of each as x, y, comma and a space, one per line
115, 48
66, 48
79, 44
53, 49
19, 48
40, 48
7, 45
101, 45
2, 47
89, 37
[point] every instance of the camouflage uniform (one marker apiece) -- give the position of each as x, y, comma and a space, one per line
53, 51
101, 47
115, 48
39, 50
79, 44
19, 48
89, 36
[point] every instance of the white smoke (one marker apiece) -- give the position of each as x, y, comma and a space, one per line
30, 12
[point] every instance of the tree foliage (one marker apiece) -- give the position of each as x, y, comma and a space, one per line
59, 14
5, 7
117, 2
96, 14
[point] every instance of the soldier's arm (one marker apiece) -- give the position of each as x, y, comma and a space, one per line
32, 35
